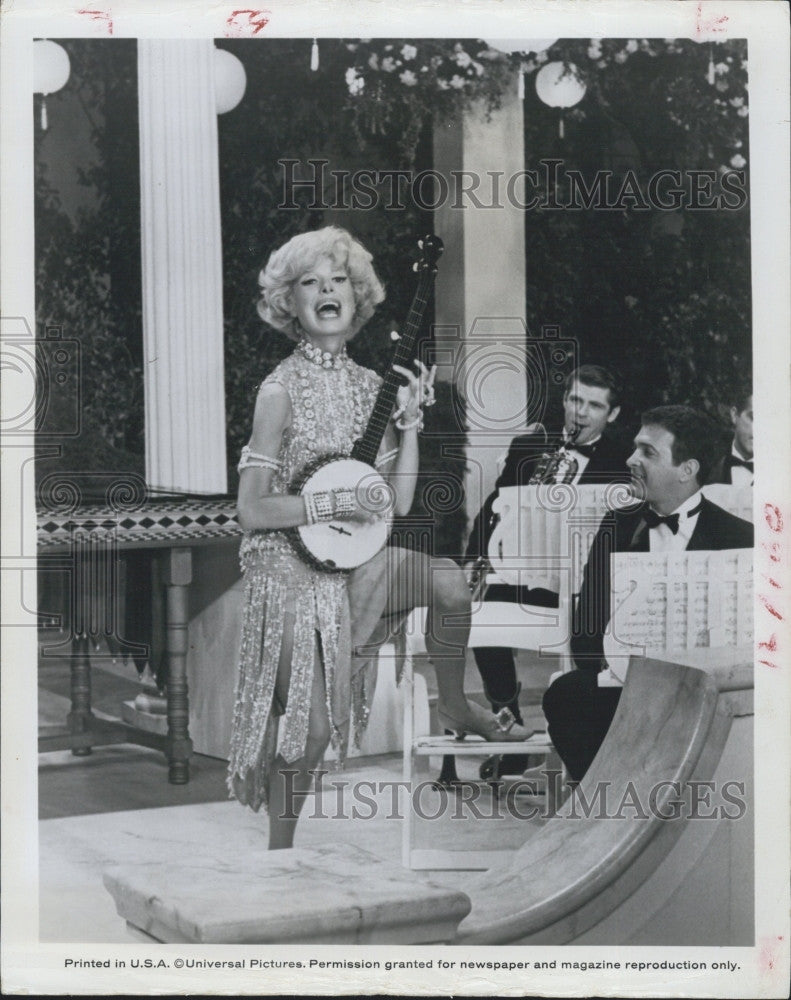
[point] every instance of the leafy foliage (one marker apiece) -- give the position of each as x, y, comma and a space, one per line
88, 270
664, 296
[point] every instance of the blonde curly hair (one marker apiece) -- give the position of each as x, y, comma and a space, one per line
286, 265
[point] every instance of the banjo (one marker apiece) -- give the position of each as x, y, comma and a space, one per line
339, 544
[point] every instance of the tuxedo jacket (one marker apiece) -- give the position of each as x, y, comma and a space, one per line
607, 464
626, 531
720, 471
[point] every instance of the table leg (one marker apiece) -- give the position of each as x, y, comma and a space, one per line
177, 578
79, 718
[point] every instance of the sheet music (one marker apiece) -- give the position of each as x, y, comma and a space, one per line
677, 600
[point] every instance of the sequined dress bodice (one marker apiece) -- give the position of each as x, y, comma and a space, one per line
329, 412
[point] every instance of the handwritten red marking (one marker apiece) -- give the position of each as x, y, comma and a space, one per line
773, 551
771, 645
768, 663
767, 956
773, 517
99, 15
769, 607
704, 26
246, 23
774, 583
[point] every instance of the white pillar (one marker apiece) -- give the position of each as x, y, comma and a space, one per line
182, 266
481, 286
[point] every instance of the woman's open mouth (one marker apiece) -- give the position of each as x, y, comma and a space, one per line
329, 310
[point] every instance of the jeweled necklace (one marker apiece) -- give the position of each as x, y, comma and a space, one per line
324, 359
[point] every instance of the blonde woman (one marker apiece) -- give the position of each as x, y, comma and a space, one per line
303, 682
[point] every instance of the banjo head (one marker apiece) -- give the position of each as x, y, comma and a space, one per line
344, 545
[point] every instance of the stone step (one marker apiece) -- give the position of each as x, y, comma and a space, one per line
335, 894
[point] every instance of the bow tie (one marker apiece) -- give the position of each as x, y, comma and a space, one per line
735, 460
653, 520
582, 449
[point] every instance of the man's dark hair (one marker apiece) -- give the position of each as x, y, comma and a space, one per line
742, 396
694, 435
597, 376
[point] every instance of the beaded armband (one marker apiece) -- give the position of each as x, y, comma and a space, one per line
251, 460
310, 509
344, 503
318, 507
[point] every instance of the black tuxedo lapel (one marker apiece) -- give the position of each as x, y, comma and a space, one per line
639, 538
704, 536
718, 529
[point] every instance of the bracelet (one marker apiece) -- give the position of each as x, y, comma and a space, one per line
251, 460
322, 505
387, 457
310, 509
344, 503
417, 422
318, 507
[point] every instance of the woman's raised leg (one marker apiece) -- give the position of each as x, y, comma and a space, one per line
440, 585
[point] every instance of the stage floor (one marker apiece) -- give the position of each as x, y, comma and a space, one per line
117, 807
75, 906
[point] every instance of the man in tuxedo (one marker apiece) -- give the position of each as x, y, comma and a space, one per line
671, 459
736, 467
590, 453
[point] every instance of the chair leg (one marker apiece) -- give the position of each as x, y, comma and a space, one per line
408, 763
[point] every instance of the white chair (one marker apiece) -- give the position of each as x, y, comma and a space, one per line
493, 624
542, 539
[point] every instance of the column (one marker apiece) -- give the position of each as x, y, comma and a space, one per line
481, 286
182, 266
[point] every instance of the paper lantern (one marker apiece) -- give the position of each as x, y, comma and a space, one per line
51, 70
558, 84
230, 80
510, 45
51, 67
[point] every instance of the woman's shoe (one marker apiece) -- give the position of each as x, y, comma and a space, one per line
499, 728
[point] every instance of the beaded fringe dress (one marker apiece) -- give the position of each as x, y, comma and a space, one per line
330, 407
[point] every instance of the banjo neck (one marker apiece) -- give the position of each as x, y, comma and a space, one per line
366, 448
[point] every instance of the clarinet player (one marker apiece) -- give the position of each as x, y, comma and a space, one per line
583, 451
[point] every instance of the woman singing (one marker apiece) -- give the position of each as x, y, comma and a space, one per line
304, 678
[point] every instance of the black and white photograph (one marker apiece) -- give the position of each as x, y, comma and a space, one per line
395, 499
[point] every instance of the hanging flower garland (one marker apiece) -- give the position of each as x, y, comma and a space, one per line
396, 86
399, 85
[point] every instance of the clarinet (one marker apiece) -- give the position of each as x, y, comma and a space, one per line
551, 462
478, 572
545, 471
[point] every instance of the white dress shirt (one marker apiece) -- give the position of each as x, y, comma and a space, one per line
662, 539
739, 475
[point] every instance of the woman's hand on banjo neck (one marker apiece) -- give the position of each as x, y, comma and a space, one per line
407, 418
417, 393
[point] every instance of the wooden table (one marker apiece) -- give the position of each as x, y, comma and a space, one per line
86, 542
